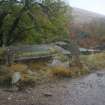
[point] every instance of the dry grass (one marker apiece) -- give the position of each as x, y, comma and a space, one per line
37, 66
95, 61
41, 70
68, 72
34, 73
18, 68
60, 71
27, 79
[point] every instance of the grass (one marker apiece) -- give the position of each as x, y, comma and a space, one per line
68, 72
26, 77
60, 71
42, 71
37, 53
34, 73
37, 66
2, 51
95, 61
5, 76
38, 72
18, 68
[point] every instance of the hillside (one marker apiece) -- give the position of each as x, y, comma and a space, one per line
87, 27
83, 16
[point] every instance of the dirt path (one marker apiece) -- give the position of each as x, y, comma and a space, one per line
89, 90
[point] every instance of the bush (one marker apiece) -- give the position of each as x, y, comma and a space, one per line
60, 71
66, 72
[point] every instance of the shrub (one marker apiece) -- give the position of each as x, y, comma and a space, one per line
60, 71
69, 72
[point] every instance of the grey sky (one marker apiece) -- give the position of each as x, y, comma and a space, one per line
91, 5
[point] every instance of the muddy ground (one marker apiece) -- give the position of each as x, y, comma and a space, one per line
88, 90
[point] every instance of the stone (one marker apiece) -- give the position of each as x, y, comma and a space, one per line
56, 62
99, 74
16, 77
47, 94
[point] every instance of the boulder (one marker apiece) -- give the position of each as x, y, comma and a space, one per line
16, 77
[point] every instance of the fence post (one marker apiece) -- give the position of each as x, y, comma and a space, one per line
9, 57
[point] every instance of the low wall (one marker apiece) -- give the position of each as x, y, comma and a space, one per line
21, 54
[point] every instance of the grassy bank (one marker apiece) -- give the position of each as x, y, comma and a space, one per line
94, 61
34, 73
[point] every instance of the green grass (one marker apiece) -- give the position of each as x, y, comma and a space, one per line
43, 53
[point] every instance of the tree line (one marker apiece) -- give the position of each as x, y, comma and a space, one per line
33, 21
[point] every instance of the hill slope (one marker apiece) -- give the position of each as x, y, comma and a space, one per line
83, 16
88, 27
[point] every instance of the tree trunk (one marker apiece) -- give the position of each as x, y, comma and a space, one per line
75, 53
14, 25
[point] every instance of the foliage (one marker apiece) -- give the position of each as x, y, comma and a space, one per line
69, 72
60, 72
31, 21
89, 34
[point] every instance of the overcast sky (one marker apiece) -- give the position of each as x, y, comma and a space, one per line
91, 5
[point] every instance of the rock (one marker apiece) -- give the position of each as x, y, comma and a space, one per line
30, 72
56, 62
16, 77
99, 74
11, 90
10, 97
48, 94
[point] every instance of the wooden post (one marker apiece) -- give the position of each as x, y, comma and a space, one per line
70, 60
9, 57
